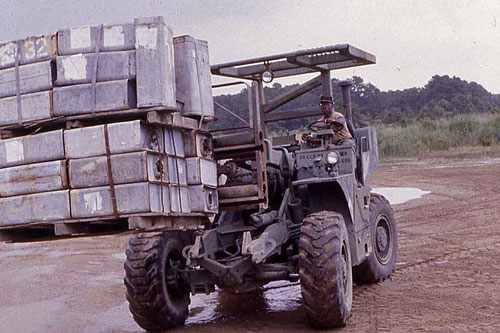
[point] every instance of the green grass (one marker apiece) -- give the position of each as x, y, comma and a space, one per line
463, 135
427, 136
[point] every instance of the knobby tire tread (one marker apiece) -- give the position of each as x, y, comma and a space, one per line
148, 303
369, 271
319, 257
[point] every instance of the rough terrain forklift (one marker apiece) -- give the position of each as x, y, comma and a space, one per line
291, 208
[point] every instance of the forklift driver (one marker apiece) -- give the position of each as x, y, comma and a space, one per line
333, 120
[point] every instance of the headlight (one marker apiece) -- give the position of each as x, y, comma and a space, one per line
332, 158
267, 76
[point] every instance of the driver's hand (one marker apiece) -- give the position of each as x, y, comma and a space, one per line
322, 125
337, 125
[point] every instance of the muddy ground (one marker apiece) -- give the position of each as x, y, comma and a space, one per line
447, 276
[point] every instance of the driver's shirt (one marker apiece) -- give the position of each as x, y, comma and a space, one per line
339, 135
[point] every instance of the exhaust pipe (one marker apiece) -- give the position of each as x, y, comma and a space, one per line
345, 85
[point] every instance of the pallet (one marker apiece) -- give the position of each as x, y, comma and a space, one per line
42, 231
155, 116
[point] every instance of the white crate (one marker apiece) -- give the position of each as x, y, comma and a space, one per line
201, 171
126, 168
203, 199
193, 77
130, 199
33, 178
39, 207
40, 147
124, 137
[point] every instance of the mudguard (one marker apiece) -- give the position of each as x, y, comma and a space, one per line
339, 187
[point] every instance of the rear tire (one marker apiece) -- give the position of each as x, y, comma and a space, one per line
383, 234
325, 270
158, 297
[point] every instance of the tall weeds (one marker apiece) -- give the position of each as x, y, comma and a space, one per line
426, 135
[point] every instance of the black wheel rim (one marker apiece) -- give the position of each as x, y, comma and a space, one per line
176, 288
383, 239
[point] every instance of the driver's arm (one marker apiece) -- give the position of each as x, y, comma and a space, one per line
337, 123
341, 126
322, 123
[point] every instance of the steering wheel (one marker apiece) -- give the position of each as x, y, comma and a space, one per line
313, 126
337, 126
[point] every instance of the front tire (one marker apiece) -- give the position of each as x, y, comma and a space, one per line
325, 270
383, 234
158, 297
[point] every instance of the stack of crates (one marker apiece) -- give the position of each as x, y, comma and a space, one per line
27, 79
107, 168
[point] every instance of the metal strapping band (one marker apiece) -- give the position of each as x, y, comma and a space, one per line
176, 168
167, 171
18, 85
160, 156
94, 70
110, 172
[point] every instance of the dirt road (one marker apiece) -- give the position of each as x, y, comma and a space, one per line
447, 277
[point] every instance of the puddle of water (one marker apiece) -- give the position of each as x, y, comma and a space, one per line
203, 308
285, 297
274, 297
120, 256
399, 195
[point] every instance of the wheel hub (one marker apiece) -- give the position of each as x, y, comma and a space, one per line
383, 239
173, 281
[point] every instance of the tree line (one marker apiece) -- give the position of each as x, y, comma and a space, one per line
442, 97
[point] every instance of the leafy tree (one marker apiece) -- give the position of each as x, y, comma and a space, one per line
442, 96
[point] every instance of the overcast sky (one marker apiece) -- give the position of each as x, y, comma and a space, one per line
412, 40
